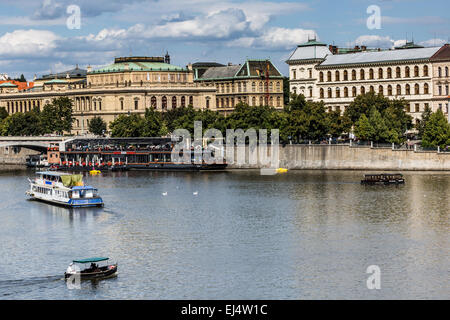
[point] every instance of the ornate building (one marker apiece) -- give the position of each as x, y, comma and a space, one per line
256, 82
409, 72
130, 85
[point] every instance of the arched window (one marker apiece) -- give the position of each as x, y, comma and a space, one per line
416, 71
353, 74
407, 74
330, 93
183, 102
329, 76
278, 101
381, 90
416, 89
153, 102
261, 101
338, 93
322, 95
371, 89
164, 103
346, 92
254, 101
310, 92
363, 90
362, 74
191, 101
425, 71
321, 76
380, 73
439, 72
408, 90
371, 74
399, 90
446, 71
389, 73
345, 75
338, 76
426, 88
389, 90
253, 86
261, 87
278, 86
354, 91
398, 72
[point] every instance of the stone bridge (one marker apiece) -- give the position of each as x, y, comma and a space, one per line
34, 143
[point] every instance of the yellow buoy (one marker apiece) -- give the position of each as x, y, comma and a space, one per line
282, 170
94, 172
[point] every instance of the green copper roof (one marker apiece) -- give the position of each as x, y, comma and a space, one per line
312, 43
56, 81
138, 66
8, 84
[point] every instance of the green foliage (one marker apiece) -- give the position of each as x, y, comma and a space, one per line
97, 126
426, 114
363, 129
57, 117
22, 124
128, 126
437, 131
3, 113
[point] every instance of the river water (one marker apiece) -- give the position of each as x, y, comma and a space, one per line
301, 235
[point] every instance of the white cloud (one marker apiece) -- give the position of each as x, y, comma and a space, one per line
27, 43
433, 42
275, 38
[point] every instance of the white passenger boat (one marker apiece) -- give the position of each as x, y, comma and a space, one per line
63, 189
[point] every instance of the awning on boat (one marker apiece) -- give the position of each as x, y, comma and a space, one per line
72, 180
91, 260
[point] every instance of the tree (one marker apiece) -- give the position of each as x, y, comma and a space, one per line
153, 123
97, 126
286, 90
420, 126
364, 103
337, 124
22, 124
57, 117
128, 126
379, 128
437, 131
363, 129
3, 113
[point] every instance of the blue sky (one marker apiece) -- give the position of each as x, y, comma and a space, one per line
35, 39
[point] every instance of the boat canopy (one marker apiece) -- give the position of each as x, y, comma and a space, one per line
72, 180
90, 260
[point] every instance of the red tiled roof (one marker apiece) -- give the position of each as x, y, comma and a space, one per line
20, 85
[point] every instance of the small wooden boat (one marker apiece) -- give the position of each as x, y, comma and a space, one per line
384, 178
94, 272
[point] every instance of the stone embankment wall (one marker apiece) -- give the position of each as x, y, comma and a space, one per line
344, 157
15, 155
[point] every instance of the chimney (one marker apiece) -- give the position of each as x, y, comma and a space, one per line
230, 64
89, 69
363, 48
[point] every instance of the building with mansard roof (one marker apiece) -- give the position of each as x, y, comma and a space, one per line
127, 86
255, 82
411, 72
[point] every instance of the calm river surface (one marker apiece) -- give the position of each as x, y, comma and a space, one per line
302, 235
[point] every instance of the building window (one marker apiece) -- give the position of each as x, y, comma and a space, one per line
426, 88
346, 92
174, 102
338, 76
153, 102
389, 90
321, 93
254, 87
371, 75
345, 75
362, 74
398, 72
164, 103
416, 89
183, 102
407, 75
329, 76
381, 90
191, 101
338, 93
439, 93
278, 101
417, 107
380, 73
310, 73
446, 90
416, 71
136, 104
294, 74
321, 76
354, 91
446, 71
353, 74
439, 72
330, 93
363, 90
389, 73
425, 71
407, 90
399, 90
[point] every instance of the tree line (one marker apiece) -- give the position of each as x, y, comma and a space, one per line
370, 117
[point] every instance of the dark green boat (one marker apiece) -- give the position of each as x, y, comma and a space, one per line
94, 272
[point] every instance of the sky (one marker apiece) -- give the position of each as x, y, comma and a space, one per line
42, 36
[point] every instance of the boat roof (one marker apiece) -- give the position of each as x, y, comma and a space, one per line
84, 188
55, 174
90, 260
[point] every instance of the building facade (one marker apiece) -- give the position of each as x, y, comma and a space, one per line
256, 83
128, 86
410, 73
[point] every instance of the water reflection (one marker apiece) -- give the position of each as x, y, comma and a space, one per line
306, 234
